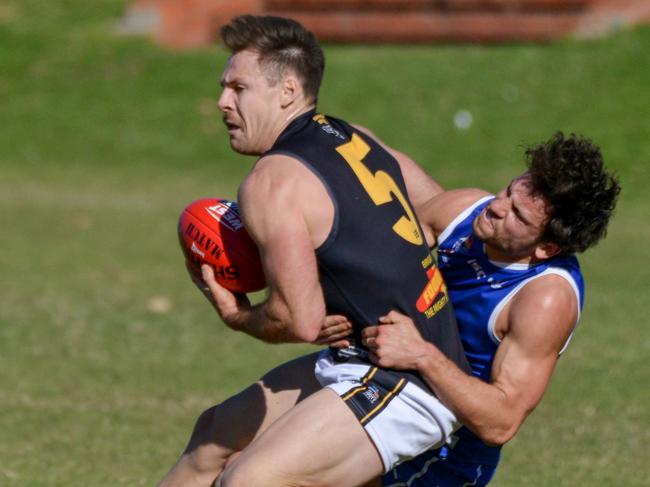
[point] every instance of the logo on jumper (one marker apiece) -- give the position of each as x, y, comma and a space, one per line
434, 296
326, 127
372, 394
227, 214
461, 243
481, 274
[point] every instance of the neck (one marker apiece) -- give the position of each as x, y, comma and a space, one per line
286, 118
294, 113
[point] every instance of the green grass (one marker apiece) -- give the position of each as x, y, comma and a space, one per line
107, 352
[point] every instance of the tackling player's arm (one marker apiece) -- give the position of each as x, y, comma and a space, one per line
540, 319
437, 213
271, 206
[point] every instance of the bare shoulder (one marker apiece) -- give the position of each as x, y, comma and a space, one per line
276, 176
550, 292
439, 211
274, 166
544, 311
281, 187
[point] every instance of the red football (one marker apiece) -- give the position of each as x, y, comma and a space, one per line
211, 232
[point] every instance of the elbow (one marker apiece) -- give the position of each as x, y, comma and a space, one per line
501, 428
307, 327
496, 434
306, 334
297, 323
495, 437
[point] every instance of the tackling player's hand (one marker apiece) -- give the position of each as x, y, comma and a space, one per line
395, 342
230, 306
334, 332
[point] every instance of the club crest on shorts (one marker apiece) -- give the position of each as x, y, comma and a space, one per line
372, 394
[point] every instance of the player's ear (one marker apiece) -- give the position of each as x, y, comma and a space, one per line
546, 250
291, 90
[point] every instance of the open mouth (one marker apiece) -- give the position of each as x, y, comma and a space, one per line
232, 127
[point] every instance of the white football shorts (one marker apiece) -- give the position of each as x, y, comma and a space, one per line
402, 419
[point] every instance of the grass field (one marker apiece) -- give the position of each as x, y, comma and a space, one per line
107, 353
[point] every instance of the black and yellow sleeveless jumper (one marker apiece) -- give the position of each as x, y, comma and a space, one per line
375, 258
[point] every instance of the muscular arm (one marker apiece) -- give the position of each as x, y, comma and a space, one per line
539, 320
271, 203
439, 211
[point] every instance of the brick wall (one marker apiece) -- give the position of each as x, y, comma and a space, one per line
193, 23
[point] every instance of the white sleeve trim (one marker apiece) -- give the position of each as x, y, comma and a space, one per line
551, 270
456, 221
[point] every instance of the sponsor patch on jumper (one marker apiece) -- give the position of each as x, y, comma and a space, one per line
434, 296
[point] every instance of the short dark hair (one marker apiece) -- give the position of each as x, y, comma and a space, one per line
282, 44
569, 173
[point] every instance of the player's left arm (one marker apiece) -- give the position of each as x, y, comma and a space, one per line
540, 319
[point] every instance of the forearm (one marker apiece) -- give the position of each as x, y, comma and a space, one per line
482, 407
266, 323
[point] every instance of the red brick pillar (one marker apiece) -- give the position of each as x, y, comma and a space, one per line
187, 23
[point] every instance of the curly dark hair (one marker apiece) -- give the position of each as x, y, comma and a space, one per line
282, 44
568, 172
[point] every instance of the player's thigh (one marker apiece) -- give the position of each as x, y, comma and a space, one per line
287, 385
319, 442
234, 423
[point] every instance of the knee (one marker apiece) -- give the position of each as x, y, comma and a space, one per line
235, 477
256, 472
205, 423
204, 430
203, 452
252, 473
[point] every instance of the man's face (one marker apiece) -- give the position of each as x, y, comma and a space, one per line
513, 223
252, 109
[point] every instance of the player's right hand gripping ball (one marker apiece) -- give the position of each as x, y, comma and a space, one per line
211, 232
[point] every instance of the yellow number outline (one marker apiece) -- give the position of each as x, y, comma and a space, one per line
380, 187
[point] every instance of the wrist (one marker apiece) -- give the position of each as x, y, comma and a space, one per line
237, 320
427, 357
